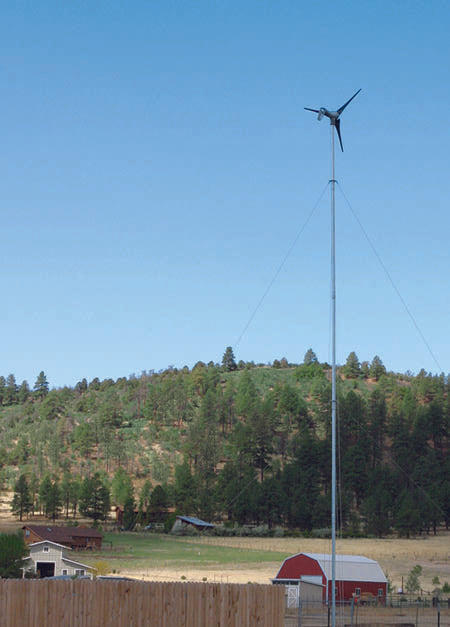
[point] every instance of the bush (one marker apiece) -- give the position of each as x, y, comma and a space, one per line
12, 551
169, 522
309, 371
101, 567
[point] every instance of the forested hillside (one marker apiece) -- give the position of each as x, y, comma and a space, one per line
234, 442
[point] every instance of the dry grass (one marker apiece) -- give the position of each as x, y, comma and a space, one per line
395, 556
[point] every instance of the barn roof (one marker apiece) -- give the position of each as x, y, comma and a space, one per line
348, 567
63, 534
195, 521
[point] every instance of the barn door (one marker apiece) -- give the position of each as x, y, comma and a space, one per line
292, 596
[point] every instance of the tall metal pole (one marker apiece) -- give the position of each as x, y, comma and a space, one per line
333, 385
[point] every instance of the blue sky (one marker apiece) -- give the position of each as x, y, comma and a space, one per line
157, 164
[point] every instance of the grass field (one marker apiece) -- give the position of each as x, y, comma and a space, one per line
161, 557
149, 550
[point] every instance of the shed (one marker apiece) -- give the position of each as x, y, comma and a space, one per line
50, 559
184, 522
356, 576
301, 591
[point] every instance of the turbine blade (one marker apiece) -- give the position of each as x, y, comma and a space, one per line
338, 130
315, 110
348, 102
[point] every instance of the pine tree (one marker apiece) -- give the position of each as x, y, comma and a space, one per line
228, 360
310, 357
44, 492
94, 499
24, 392
11, 390
2, 390
376, 369
21, 502
54, 501
129, 515
41, 386
352, 366
121, 487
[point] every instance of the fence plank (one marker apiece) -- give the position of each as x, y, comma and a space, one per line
84, 603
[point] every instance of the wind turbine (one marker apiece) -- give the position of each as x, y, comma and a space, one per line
333, 116
334, 121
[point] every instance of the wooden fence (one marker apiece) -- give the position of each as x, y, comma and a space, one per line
85, 603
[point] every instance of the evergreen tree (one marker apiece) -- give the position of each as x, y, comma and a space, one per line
66, 491
352, 366
81, 386
144, 500
291, 407
11, 390
94, 499
12, 551
54, 501
354, 470
44, 492
24, 392
378, 504
352, 419
228, 360
34, 490
376, 369
50, 497
226, 489
246, 398
21, 502
260, 436
2, 391
376, 425
75, 492
121, 487
84, 438
310, 357
185, 489
407, 519
41, 387
129, 515
365, 369
158, 504
301, 484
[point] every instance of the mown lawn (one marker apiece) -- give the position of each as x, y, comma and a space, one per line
130, 551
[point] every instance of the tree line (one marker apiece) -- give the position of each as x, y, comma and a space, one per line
241, 443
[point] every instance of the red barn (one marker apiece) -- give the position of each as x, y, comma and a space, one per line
356, 576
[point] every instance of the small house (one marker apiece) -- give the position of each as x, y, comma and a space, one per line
50, 559
356, 576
